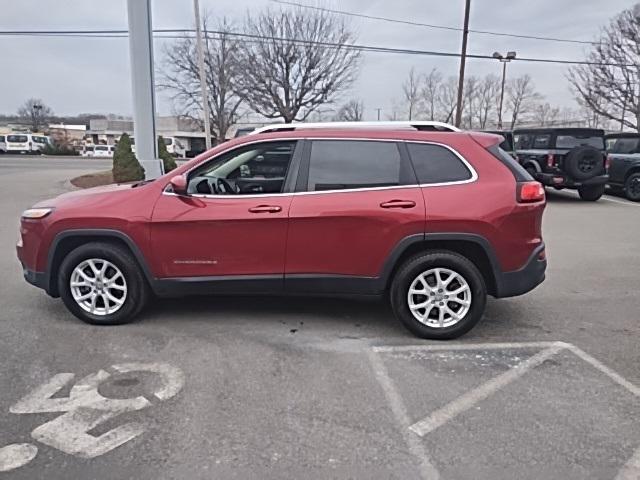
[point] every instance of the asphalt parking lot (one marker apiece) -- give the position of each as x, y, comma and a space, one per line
546, 386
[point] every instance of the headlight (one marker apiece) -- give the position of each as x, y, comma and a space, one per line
36, 213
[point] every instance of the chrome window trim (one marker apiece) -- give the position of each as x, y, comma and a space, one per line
473, 178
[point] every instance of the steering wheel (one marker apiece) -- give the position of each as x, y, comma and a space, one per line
223, 186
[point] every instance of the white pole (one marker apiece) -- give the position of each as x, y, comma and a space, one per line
203, 77
141, 58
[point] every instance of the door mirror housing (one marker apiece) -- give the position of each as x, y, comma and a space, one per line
179, 184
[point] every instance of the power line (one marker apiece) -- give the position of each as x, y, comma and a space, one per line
428, 25
181, 33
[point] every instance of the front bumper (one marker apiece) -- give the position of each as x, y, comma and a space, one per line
560, 180
518, 282
37, 279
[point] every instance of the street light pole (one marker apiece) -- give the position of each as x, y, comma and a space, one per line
463, 60
504, 59
203, 78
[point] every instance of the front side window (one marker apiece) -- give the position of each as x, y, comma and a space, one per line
1, 138
253, 169
437, 164
522, 141
348, 164
17, 138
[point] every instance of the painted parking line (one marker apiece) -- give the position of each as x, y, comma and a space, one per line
472, 397
427, 470
438, 418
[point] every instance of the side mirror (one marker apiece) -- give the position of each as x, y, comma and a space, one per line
179, 184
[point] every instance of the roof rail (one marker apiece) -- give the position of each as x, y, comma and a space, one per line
417, 125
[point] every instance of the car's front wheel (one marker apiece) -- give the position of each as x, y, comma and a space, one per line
438, 295
102, 284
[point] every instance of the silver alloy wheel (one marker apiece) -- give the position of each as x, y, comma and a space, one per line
98, 286
439, 297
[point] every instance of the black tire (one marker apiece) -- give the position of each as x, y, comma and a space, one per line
136, 284
591, 193
632, 187
583, 163
418, 264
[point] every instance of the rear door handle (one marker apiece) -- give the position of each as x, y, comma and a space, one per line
265, 209
398, 204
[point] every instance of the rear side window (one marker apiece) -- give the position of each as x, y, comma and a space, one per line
518, 171
437, 164
1, 138
541, 141
522, 141
345, 164
625, 145
17, 138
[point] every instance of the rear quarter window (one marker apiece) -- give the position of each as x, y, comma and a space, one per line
437, 164
518, 171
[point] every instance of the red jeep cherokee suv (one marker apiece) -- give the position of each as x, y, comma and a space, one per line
434, 219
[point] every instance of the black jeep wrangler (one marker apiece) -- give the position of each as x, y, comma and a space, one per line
565, 158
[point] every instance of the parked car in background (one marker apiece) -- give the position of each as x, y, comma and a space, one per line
434, 220
175, 147
87, 150
507, 143
24, 143
39, 143
624, 163
572, 158
103, 151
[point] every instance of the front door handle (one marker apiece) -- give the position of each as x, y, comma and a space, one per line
266, 209
398, 204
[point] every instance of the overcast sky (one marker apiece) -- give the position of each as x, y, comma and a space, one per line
75, 75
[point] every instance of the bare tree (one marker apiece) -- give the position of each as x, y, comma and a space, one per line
430, 92
608, 85
302, 60
34, 113
471, 86
411, 92
545, 115
352, 111
487, 94
520, 97
180, 77
447, 99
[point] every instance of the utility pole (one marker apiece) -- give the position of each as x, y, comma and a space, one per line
463, 60
504, 59
144, 103
378, 109
203, 78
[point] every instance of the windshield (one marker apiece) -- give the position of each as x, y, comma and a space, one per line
17, 138
168, 141
571, 141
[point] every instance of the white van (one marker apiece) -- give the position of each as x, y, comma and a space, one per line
175, 147
24, 143
39, 142
103, 151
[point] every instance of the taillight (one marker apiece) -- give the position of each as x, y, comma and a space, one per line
607, 162
528, 192
551, 160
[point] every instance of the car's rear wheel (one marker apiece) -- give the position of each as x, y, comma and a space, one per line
591, 193
438, 295
632, 187
102, 284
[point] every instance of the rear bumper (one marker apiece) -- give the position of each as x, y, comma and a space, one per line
518, 282
559, 180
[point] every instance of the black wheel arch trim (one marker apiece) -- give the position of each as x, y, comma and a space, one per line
49, 281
